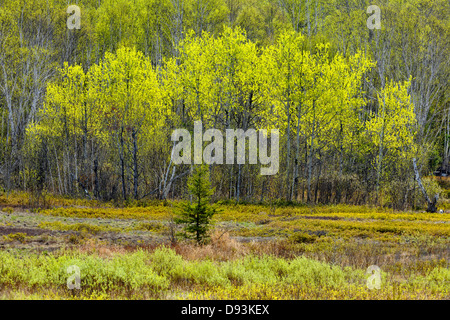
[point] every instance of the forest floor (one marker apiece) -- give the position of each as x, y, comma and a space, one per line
319, 252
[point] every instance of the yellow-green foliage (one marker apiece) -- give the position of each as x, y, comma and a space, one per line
298, 292
19, 236
255, 220
167, 274
437, 280
15, 198
150, 226
302, 237
333, 221
122, 272
20, 198
342, 228
8, 210
167, 263
154, 212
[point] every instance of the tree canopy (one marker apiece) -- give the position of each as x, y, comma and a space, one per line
91, 110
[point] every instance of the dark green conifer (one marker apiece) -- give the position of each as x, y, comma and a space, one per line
196, 214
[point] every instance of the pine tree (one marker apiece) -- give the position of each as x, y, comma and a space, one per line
195, 215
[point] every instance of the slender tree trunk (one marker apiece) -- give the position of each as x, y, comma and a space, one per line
122, 164
431, 203
96, 187
311, 153
294, 190
238, 183
380, 155
288, 151
135, 164
341, 152
263, 189
318, 181
446, 142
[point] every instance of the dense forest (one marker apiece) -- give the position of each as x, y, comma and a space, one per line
90, 111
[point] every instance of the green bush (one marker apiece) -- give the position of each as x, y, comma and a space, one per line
129, 271
251, 269
305, 271
438, 280
302, 237
167, 263
19, 236
206, 273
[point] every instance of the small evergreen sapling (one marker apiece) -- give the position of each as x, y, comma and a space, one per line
195, 215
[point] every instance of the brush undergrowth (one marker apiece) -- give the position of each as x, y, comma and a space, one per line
163, 273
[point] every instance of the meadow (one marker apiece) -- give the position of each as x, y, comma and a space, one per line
102, 100
257, 251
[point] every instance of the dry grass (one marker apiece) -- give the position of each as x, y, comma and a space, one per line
402, 244
220, 248
101, 249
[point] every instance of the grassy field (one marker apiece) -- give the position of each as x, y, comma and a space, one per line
256, 252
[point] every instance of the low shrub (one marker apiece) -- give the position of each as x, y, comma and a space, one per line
19, 236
